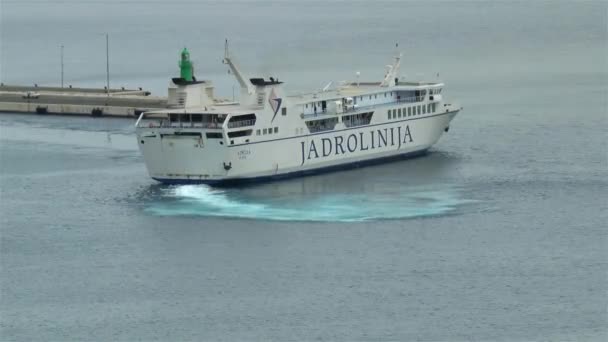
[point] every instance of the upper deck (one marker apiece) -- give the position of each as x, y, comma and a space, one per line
361, 89
362, 96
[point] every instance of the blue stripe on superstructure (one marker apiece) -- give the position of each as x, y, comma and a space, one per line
325, 169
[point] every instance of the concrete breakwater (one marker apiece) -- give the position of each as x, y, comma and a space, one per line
78, 101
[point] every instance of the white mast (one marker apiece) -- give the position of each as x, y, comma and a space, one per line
392, 71
240, 77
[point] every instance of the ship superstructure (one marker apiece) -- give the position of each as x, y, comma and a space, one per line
269, 135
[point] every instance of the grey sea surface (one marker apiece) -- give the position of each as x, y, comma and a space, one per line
499, 233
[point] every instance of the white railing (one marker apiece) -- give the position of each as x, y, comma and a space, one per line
168, 124
212, 125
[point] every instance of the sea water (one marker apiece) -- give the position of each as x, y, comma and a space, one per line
498, 233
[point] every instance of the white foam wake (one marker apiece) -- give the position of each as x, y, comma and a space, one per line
400, 203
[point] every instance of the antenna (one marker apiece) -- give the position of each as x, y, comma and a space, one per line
61, 66
107, 64
327, 86
240, 77
392, 71
226, 54
358, 73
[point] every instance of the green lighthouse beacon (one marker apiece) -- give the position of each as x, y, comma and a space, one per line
185, 66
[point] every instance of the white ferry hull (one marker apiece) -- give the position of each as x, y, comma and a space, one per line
187, 158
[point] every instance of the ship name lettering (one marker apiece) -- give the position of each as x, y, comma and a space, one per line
348, 143
339, 140
326, 146
242, 154
312, 149
364, 141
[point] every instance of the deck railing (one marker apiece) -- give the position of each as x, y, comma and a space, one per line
187, 124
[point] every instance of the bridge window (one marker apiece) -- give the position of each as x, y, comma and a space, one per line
237, 134
265, 131
241, 120
276, 130
214, 135
357, 119
322, 125
284, 111
389, 113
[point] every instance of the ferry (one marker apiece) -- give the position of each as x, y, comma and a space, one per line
270, 135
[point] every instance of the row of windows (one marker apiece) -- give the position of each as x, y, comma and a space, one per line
320, 104
411, 111
376, 96
265, 131
418, 93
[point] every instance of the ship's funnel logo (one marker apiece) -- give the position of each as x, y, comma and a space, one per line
275, 103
